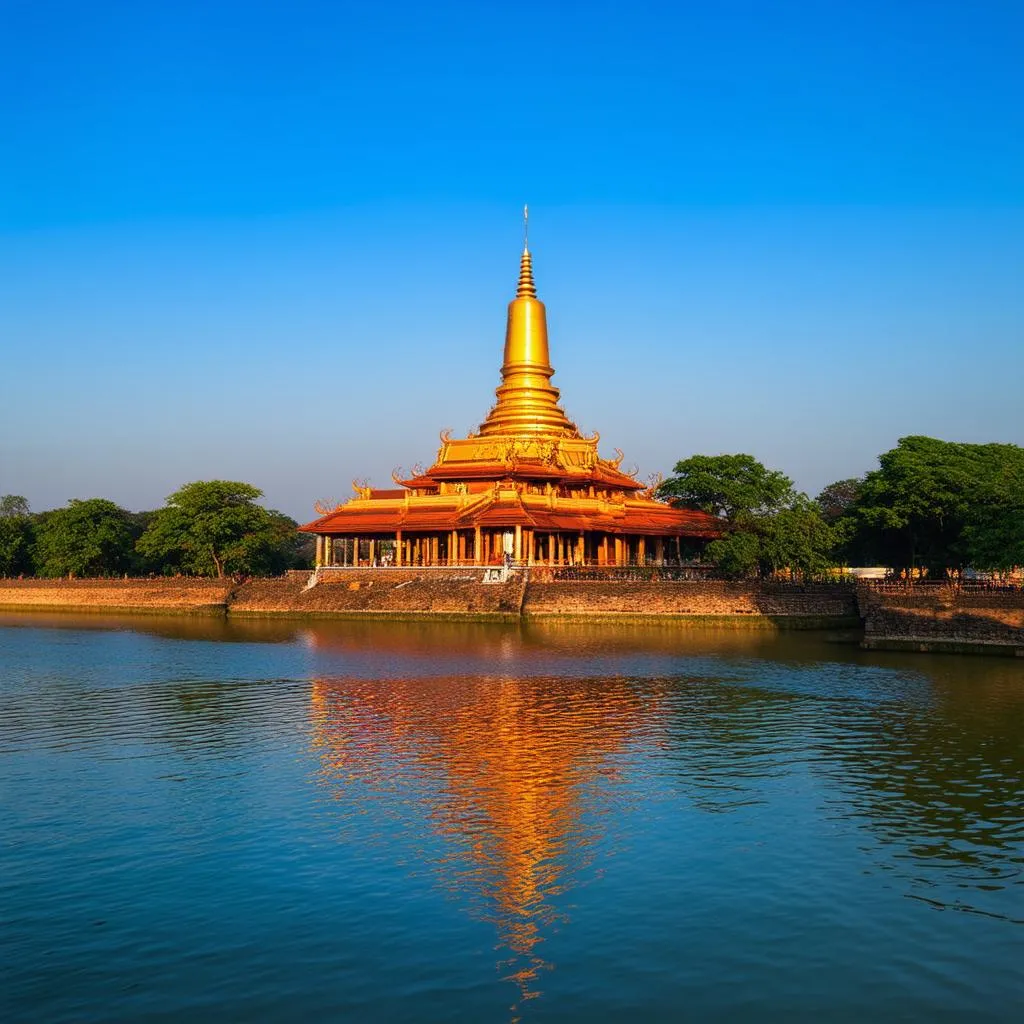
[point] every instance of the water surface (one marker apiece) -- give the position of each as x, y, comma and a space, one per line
269, 821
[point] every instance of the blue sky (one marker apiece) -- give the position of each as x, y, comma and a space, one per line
273, 241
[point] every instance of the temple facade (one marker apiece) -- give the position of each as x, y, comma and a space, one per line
526, 488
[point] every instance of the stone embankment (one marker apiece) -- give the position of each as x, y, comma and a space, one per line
769, 604
167, 594
470, 593
961, 618
924, 617
355, 593
383, 593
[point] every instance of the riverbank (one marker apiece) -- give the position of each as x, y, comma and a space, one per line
179, 595
460, 593
933, 617
943, 618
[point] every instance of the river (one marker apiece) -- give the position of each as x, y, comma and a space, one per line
211, 820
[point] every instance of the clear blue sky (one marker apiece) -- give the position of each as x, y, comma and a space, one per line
274, 241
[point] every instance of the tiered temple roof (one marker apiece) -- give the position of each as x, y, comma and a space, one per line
527, 472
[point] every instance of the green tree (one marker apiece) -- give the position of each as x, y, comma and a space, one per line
727, 485
216, 528
942, 504
836, 500
768, 525
87, 538
13, 506
993, 538
15, 535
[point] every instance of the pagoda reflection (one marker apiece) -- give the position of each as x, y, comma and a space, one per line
514, 775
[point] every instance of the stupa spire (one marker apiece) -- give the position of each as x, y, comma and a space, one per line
526, 286
527, 400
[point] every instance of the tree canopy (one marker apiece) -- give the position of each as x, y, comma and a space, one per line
216, 528
15, 535
727, 485
769, 526
941, 504
87, 538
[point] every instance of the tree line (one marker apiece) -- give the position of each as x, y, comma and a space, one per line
206, 528
931, 506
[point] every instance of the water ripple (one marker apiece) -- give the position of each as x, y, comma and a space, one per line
421, 824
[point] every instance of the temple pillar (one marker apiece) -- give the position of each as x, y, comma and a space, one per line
328, 551
478, 545
659, 551
372, 554
620, 558
518, 552
318, 559
398, 547
641, 551
552, 541
453, 547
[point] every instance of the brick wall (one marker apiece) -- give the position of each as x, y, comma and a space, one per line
434, 592
171, 594
385, 592
704, 597
943, 613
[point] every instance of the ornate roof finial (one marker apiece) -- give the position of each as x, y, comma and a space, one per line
526, 289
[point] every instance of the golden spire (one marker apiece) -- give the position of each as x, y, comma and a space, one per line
526, 288
527, 401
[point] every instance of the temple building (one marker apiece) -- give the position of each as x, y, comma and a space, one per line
526, 488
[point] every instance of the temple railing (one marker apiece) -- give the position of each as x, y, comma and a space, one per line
579, 571
942, 586
621, 573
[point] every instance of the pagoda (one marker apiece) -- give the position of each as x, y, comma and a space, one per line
526, 488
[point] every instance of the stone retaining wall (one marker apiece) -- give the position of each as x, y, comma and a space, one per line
941, 617
385, 592
440, 592
925, 617
175, 594
705, 598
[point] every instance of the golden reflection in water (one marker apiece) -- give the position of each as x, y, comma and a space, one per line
512, 773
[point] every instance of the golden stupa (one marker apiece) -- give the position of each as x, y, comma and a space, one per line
527, 487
